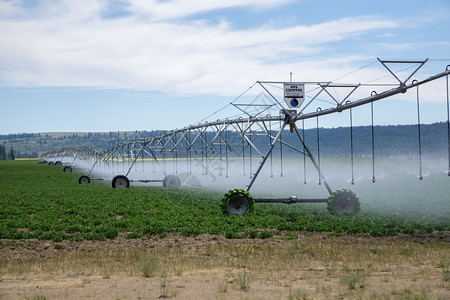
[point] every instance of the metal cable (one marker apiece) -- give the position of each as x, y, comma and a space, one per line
318, 150
226, 154
219, 110
176, 161
281, 151
243, 157
189, 153
206, 152
304, 152
135, 165
388, 75
354, 71
220, 156
448, 121
250, 152
351, 145
270, 142
373, 145
418, 130
143, 166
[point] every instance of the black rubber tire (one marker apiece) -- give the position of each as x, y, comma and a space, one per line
58, 163
84, 179
67, 169
45, 162
343, 202
120, 181
171, 181
237, 202
50, 163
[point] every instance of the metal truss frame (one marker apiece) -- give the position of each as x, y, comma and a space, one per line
220, 138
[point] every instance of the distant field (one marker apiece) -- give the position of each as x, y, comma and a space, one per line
40, 201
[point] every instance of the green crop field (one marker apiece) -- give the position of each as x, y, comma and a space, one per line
40, 201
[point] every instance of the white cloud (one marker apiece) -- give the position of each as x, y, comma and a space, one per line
387, 34
70, 44
165, 10
46, 9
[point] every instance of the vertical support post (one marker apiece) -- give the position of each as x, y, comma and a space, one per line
134, 161
272, 145
73, 161
93, 166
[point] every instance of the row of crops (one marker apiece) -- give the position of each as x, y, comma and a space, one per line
40, 201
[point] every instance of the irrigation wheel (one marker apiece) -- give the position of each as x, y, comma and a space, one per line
67, 169
50, 163
237, 202
44, 162
343, 202
120, 181
58, 163
84, 179
171, 181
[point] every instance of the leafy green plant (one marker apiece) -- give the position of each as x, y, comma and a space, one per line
41, 202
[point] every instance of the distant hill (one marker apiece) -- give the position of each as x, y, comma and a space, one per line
34, 144
392, 140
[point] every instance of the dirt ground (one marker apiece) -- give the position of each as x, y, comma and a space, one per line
291, 265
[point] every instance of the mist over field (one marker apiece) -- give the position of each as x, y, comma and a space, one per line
397, 188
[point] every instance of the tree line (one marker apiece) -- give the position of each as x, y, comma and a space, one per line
390, 140
5, 155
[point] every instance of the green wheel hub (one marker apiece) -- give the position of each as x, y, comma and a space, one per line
343, 202
237, 202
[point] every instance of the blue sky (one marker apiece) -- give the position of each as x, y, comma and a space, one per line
98, 65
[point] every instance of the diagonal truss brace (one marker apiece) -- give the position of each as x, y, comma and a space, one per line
402, 83
288, 120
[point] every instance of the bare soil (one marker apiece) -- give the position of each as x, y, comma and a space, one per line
294, 265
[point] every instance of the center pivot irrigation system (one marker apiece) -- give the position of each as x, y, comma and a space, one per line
213, 145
